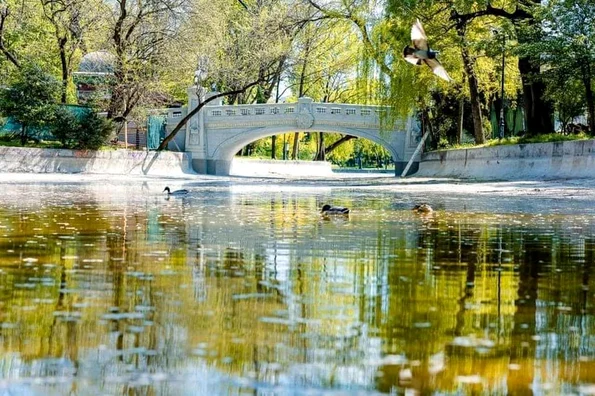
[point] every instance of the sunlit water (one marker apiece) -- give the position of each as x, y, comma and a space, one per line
111, 289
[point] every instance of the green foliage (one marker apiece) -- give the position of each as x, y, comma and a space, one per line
31, 99
11, 141
65, 127
544, 138
94, 131
569, 100
568, 45
87, 131
552, 137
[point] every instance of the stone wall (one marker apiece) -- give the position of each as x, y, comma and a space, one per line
16, 159
573, 159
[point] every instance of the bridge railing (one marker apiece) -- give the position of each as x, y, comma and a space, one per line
321, 111
278, 109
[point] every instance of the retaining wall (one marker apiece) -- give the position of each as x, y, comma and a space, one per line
573, 159
17, 159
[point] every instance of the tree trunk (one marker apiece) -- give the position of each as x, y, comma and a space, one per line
4, 13
460, 120
295, 149
23, 135
320, 152
589, 96
538, 111
64, 63
468, 65
274, 147
115, 106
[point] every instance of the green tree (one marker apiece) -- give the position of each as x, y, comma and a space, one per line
25, 38
30, 100
71, 21
81, 131
568, 100
244, 49
568, 46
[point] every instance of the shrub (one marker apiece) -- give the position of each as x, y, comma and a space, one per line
85, 131
31, 99
94, 131
65, 127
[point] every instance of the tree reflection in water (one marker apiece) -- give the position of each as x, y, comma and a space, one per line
120, 292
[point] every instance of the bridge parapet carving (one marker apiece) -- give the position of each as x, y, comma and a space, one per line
302, 115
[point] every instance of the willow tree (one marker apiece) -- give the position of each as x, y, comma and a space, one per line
325, 57
383, 76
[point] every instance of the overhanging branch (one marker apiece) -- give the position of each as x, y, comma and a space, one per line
195, 111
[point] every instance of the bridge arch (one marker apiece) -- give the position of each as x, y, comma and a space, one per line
226, 150
218, 132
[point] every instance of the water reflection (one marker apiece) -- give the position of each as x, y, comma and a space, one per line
115, 290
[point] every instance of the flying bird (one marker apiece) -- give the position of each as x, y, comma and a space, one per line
421, 52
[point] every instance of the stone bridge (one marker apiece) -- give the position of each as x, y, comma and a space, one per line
219, 131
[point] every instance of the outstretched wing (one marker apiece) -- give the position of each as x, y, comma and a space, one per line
418, 36
413, 61
438, 69
409, 55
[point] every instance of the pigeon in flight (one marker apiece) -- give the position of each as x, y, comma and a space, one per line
421, 52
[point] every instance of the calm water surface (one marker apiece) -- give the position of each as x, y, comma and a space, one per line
108, 289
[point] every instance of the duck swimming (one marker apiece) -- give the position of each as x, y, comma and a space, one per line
328, 210
423, 208
175, 192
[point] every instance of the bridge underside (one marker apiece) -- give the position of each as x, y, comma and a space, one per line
221, 167
217, 155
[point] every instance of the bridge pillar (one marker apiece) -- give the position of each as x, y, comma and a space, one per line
412, 139
196, 139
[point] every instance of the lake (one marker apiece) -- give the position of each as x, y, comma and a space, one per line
244, 288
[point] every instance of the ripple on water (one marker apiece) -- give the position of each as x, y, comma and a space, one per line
229, 292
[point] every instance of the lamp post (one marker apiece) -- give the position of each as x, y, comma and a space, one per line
501, 124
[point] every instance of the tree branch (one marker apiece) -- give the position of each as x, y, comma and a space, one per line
243, 5
361, 25
339, 142
4, 13
518, 14
198, 108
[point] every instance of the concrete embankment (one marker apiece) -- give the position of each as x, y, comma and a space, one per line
559, 160
124, 162
34, 160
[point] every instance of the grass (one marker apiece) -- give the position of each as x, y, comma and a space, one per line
45, 144
547, 138
40, 144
